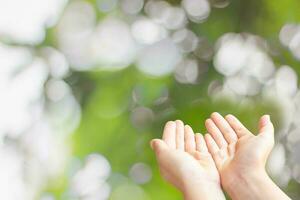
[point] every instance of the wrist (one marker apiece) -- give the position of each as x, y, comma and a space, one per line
204, 189
248, 185
229, 180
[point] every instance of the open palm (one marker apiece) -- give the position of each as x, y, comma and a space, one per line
234, 148
183, 156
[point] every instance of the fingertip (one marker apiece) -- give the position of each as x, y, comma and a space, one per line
156, 144
207, 121
268, 118
152, 143
216, 117
266, 127
207, 136
170, 123
187, 127
265, 119
215, 114
229, 117
267, 115
179, 122
199, 136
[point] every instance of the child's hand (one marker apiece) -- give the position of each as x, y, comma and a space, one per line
236, 151
185, 162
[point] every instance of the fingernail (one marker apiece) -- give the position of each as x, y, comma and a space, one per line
214, 113
229, 116
266, 119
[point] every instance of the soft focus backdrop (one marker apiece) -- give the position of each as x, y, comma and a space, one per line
85, 85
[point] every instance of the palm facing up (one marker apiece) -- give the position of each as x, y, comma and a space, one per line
183, 157
235, 149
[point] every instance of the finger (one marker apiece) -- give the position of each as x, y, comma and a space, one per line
158, 146
189, 139
211, 144
213, 150
179, 135
237, 126
224, 127
218, 160
266, 127
200, 143
213, 130
169, 135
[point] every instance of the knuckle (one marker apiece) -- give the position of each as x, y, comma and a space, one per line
240, 130
227, 130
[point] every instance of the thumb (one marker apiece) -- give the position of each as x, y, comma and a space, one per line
266, 128
158, 145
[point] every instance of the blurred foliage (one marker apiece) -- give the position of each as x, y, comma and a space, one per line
107, 97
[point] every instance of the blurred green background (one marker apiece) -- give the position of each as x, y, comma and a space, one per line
235, 57
123, 110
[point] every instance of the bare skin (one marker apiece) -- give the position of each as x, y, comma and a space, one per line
185, 162
240, 157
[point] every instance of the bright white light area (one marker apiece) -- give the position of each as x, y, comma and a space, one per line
64, 111
236, 52
90, 181
293, 138
12, 59
197, 10
25, 21
295, 45
159, 59
23, 119
276, 161
113, 46
47, 155
290, 37
186, 40
132, 6
286, 81
259, 65
146, 31
57, 62
243, 85
287, 32
187, 71
231, 55
157, 10
108, 44
74, 31
19, 89
174, 18
163, 13
11, 175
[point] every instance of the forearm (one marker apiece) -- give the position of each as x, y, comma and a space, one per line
205, 191
256, 186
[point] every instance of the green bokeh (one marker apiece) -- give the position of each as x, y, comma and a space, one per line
107, 99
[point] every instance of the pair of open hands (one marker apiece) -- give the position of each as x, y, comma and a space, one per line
228, 157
